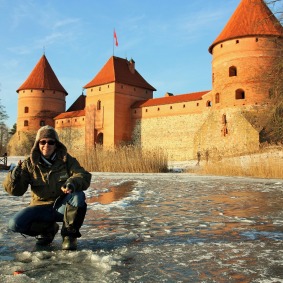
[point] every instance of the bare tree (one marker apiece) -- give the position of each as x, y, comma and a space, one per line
4, 132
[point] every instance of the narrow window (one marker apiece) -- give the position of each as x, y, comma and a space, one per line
232, 71
240, 94
208, 103
26, 109
26, 123
217, 98
42, 123
98, 107
237, 41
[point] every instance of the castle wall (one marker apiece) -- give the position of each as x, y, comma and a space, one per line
182, 136
100, 120
112, 117
71, 132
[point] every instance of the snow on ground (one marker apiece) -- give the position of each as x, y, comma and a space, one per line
167, 227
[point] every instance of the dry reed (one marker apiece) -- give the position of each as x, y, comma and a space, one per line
264, 166
129, 159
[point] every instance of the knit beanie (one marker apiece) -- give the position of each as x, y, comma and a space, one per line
46, 132
50, 133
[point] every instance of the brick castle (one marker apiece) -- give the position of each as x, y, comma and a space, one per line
119, 107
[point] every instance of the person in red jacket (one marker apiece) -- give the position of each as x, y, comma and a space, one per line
57, 182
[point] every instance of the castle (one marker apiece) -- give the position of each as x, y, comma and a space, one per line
119, 107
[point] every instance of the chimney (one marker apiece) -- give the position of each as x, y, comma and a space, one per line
132, 66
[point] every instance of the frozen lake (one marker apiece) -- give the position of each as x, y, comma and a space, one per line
159, 228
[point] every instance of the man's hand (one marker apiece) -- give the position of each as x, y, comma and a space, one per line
68, 188
16, 171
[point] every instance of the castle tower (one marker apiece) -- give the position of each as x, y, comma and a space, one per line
243, 55
109, 97
41, 98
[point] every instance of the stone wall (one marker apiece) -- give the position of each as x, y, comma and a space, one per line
212, 133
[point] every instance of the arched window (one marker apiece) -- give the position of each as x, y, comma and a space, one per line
240, 94
208, 103
26, 109
99, 139
232, 71
217, 98
98, 106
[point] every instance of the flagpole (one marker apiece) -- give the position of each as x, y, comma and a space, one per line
113, 40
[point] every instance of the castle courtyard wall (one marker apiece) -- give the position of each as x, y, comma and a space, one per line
212, 133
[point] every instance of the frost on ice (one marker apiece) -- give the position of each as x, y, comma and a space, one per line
172, 227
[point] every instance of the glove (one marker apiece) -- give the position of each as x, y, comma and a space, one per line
70, 187
16, 171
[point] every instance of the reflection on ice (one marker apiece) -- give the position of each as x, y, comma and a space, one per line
160, 228
114, 193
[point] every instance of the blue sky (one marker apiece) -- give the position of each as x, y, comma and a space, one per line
168, 40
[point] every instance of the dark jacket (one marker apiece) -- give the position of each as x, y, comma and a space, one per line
46, 181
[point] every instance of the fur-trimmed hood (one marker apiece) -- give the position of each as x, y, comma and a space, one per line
47, 132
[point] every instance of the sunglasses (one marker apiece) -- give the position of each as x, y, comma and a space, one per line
44, 142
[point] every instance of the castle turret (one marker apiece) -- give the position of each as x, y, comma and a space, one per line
41, 98
109, 98
243, 54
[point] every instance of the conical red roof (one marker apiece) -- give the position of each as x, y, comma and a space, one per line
251, 18
42, 77
117, 70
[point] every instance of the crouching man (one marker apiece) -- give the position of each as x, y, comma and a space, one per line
57, 182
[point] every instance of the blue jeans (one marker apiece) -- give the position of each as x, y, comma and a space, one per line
21, 221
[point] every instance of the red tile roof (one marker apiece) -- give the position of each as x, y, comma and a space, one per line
170, 99
117, 70
42, 77
79, 104
71, 114
251, 18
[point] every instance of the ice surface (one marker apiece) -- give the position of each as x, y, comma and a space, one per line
172, 227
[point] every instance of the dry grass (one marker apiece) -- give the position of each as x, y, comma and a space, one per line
264, 165
127, 159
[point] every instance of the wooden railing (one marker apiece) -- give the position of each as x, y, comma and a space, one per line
4, 159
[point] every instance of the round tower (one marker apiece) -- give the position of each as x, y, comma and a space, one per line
243, 55
41, 98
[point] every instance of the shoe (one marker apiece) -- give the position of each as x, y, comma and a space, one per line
46, 239
69, 243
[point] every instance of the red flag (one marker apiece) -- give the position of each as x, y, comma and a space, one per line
115, 38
